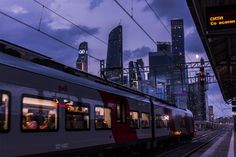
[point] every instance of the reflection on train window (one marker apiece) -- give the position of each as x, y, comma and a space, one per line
77, 117
162, 121
134, 120
39, 114
145, 122
4, 112
102, 118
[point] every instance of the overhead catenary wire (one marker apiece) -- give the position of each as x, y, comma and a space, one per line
44, 33
41, 18
66, 19
162, 23
216, 105
149, 36
159, 18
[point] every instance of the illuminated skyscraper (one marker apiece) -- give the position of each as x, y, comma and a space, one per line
114, 63
177, 34
82, 61
178, 53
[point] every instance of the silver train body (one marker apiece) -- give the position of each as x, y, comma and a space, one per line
48, 108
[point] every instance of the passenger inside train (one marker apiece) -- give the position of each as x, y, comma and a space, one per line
39, 114
30, 122
4, 112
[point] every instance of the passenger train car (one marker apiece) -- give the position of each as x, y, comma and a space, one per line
47, 108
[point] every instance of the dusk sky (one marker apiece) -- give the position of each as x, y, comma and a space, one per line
99, 17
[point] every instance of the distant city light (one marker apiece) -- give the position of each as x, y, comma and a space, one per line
197, 56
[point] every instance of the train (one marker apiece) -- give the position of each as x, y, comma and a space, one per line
47, 108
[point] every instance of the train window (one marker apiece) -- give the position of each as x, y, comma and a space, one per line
4, 112
102, 118
39, 114
145, 122
77, 117
162, 121
134, 120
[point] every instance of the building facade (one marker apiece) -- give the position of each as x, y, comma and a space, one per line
114, 62
82, 61
160, 66
211, 113
197, 102
160, 62
179, 75
136, 74
140, 69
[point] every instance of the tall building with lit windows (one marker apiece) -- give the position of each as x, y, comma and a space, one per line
178, 53
178, 50
114, 62
82, 61
177, 35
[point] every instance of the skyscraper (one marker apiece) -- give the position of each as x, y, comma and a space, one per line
82, 61
132, 75
140, 69
160, 63
197, 101
178, 52
114, 62
136, 74
177, 34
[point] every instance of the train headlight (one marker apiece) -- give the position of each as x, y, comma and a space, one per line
177, 133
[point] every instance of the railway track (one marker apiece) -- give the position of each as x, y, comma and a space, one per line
188, 149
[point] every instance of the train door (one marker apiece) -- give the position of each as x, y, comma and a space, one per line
122, 130
120, 117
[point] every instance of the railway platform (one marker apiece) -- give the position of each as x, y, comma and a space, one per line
223, 147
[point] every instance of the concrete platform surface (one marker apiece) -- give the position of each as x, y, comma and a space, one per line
223, 147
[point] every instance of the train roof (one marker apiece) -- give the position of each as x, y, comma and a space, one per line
16, 56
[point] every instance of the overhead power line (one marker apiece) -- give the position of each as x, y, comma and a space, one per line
149, 36
79, 27
162, 23
216, 105
159, 18
44, 33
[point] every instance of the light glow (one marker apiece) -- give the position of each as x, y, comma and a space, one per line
177, 133
165, 117
42, 102
197, 56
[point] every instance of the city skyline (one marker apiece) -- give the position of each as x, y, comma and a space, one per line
93, 16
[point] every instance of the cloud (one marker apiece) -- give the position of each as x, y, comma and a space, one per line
193, 43
58, 23
171, 9
19, 34
95, 3
17, 9
137, 53
189, 31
